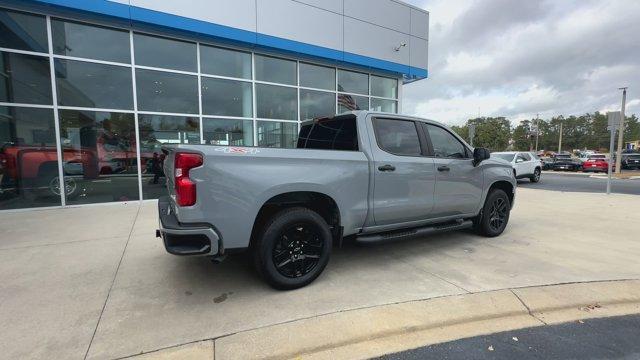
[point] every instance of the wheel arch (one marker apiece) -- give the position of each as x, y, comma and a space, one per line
504, 185
319, 202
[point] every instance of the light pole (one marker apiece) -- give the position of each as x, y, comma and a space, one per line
560, 139
621, 129
537, 131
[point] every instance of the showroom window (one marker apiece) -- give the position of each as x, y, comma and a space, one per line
276, 102
91, 42
277, 134
22, 31
29, 171
227, 132
100, 160
166, 92
317, 77
275, 70
25, 79
226, 97
225, 62
353, 82
91, 85
316, 104
94, 82
164, 53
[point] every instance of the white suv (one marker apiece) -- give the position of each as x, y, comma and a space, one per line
525, 164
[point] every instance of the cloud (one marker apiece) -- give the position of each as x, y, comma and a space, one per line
519, 58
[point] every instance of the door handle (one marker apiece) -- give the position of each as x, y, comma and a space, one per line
443, 168
386, 167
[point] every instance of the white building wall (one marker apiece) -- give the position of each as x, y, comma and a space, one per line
372, 28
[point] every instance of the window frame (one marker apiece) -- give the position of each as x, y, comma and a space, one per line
431, 152
376, 131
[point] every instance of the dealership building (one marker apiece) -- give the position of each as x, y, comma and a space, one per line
91, 89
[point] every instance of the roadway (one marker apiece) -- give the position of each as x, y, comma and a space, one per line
608, 338
579, 182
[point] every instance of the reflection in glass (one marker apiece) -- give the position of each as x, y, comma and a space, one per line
315, 104
85, 84
225, 62
89, 41
28, 158
319, 77
226, 97
165, 53
227, 132
353, 82
23, 31
383, 105
276, 102
352, 102
275, 70
105, 146
277, 134
156, 130
384, 87
166, 92
398, 137
25, 79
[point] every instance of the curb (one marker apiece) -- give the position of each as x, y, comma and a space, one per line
375, 331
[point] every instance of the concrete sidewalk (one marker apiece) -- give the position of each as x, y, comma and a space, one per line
95, 282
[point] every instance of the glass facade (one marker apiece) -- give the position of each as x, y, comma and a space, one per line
115, 96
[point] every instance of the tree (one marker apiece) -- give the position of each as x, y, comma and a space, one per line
522, 136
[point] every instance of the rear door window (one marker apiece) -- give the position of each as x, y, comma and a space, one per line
398, 137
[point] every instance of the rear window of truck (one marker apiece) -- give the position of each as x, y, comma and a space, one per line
335, 133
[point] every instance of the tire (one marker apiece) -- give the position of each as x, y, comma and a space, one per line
70, 184
486, 224
536, 176
283, 242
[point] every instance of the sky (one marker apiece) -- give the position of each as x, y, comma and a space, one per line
517, 58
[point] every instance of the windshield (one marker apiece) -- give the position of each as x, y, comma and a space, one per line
508, 157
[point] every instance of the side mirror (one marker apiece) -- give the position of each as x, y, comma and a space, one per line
519, 160
480, 154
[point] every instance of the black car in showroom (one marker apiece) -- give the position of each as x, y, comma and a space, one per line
561, 162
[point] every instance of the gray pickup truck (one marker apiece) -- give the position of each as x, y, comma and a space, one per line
363, 175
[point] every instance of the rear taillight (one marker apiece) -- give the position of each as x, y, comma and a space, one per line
185, 187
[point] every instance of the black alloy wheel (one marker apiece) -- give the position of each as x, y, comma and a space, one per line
495, 214
297, 252
498, 214
292, 249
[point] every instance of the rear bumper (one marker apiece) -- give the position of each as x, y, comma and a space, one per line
185, 239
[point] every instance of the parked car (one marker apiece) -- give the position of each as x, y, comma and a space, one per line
630, 161
585, 154
596, 163
525, 164
564, 162
364, 175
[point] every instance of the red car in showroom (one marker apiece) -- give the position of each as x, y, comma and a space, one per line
596, 163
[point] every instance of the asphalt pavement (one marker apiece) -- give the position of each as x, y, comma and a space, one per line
605, 338
572, 182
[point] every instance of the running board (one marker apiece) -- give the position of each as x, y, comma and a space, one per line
413, 233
